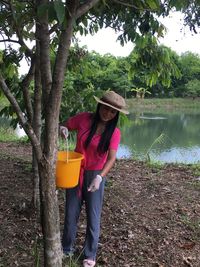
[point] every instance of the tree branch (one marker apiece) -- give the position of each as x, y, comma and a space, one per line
85, 7
54, 28
28, 52
43, 36
52, 111
131, 5
9, 40
25, 88
26, 126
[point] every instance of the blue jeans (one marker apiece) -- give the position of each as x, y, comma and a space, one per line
93, 203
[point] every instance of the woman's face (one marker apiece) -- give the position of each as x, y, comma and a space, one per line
107, 113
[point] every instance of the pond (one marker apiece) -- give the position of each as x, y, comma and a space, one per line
165, 137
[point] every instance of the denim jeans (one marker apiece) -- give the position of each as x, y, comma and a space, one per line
93, 204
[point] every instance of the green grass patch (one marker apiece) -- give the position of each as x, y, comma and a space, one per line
155, 165
8, 135
196, 170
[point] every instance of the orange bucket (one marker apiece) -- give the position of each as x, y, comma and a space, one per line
68, 168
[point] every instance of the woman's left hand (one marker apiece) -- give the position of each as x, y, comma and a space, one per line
95, 184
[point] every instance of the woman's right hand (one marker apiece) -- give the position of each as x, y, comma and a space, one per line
64, 132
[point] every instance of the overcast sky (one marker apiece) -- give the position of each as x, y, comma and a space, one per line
180, 41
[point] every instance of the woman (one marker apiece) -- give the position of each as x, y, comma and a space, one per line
97, 139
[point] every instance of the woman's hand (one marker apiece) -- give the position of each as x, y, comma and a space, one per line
95, 184
64, 132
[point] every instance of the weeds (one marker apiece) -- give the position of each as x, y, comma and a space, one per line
72, 260
36, 252
160, 140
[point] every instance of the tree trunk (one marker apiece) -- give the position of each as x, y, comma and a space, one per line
36, 179
37, 124
50, 215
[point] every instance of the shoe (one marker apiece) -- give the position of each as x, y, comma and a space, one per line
88, 263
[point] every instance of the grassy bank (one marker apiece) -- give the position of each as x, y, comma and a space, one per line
167, 104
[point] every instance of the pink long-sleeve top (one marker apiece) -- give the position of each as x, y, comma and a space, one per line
92, 159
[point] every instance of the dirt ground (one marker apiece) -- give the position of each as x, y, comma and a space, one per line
150, 216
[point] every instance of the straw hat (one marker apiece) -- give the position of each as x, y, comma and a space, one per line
113, 100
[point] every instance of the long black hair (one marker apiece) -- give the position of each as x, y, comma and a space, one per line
107, 133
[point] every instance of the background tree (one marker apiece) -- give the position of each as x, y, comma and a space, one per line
150, 63
189, 65
193, 88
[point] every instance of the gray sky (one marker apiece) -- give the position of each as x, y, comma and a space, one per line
180, 41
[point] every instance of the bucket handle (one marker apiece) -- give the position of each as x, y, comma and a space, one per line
66, 135
67, 150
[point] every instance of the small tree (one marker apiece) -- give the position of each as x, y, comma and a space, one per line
140, 92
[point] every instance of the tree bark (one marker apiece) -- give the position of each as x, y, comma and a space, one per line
37, 124
50, 215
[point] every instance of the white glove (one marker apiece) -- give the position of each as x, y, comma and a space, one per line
64, 132
95, 184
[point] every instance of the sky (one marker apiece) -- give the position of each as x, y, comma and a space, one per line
104, 41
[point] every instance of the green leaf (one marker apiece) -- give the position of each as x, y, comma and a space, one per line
153, 4
52, 12
60, 11
85, 22
11, 70
42, 9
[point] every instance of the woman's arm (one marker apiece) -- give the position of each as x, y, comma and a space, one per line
109, 163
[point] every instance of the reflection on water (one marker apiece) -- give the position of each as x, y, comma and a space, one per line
152, 118
124, 152
180, 142
177, 154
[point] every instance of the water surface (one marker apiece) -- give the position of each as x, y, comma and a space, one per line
165, 137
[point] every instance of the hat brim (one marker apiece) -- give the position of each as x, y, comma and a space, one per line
109, 105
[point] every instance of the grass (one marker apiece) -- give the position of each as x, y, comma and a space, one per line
8, 135
196, 170
155, 165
